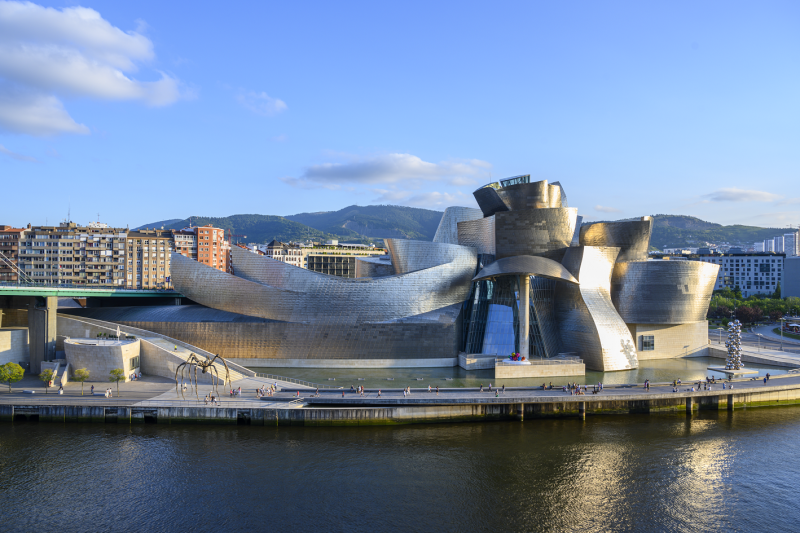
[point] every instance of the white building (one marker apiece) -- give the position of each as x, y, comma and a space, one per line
752, 273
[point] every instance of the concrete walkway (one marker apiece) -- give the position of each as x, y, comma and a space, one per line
768, 333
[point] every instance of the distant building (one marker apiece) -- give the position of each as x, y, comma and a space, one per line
148, 259
205, 244
753, 273
791, 243
791, 286
758, 246
9, 252
289, 253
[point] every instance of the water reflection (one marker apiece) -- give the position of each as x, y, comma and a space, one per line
662, 370
614, 473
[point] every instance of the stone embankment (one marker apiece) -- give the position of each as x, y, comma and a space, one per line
421, 406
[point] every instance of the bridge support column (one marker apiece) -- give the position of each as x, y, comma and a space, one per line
521, 411
582, 409
42, 332
730, 402
689, 405
524, 315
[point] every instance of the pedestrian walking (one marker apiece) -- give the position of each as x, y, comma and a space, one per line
437, 390
379, 393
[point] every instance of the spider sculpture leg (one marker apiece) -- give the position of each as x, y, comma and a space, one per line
227, 372
180, 367
212, 371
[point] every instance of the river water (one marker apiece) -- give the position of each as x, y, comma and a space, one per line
714, 471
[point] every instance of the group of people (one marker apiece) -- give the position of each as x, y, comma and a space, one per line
266, 391
135, 376
236, 392
211, 398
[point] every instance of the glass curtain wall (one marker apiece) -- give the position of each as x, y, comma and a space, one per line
491, 318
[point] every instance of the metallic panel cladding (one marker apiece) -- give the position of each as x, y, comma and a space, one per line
589, 323
411, 256
526, 265
374, 267
447, 232
478, 234
663, 292
544, 232
489, 201
272, 289
631, 236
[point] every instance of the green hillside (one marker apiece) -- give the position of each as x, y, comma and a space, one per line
375, 221
257, 228
674, 231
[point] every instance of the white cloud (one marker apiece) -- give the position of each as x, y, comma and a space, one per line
18, 157
435, 200
606, 209
394, 168
48, 53
740, 195
304, 184
261, 103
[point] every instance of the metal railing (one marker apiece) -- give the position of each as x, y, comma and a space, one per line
104, 286
254, 404
551, 361
295, 381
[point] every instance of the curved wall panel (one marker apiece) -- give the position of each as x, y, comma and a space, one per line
535, 232
523, 196
272, 289
411, 256
489, 202
632, 237
374, 267
478, 234
447, 232
663, 292
590, 326
523, 265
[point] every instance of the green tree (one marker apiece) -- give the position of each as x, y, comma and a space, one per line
117, 375
47, 377
80, 375
11, 373
777, 294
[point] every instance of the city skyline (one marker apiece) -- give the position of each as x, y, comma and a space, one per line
280, 110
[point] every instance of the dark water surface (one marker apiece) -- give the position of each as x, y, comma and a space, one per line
659, 370
716, 471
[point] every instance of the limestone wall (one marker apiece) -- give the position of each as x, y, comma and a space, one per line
101, 359
14, 345
671, 340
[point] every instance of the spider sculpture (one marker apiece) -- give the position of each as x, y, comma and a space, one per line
206, 367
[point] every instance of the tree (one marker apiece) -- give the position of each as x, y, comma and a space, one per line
117, 375
737, 292
777, 294
80, 375
11, 373
775, 315
47, 377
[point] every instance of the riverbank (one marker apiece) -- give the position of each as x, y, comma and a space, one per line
345, 408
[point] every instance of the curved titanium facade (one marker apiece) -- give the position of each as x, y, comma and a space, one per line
663, 292
263, 290
590, 326
535, 232
374, 267
447, 232
632, 237
489, 201
411, 256
536, 195
478, 234
526, 265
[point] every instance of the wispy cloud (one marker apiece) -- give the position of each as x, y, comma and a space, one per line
49, 53
16, 156
434, 199
740, 195
606, 209
395, 168
261, 103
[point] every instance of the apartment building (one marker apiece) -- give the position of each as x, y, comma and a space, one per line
212, 248
71, 254
148, 259
330, 258
753, 273
290, 253
9, 253
186, 242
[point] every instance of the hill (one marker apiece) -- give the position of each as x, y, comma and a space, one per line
675, 231
368, 224
375, 221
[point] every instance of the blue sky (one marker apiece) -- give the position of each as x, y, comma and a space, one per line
144, 111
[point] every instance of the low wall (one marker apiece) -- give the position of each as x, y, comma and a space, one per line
551, 370
671, 341
100, 359
14, 345
347, 363
476, 361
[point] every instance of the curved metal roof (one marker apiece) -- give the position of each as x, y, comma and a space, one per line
526, 264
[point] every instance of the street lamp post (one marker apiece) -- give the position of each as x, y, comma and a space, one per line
782, 321
759, 335
719, 331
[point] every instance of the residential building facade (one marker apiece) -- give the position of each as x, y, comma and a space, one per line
9, 253
752, 273
148, 259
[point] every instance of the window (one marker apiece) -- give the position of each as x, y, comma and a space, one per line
135, 362
648, 343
